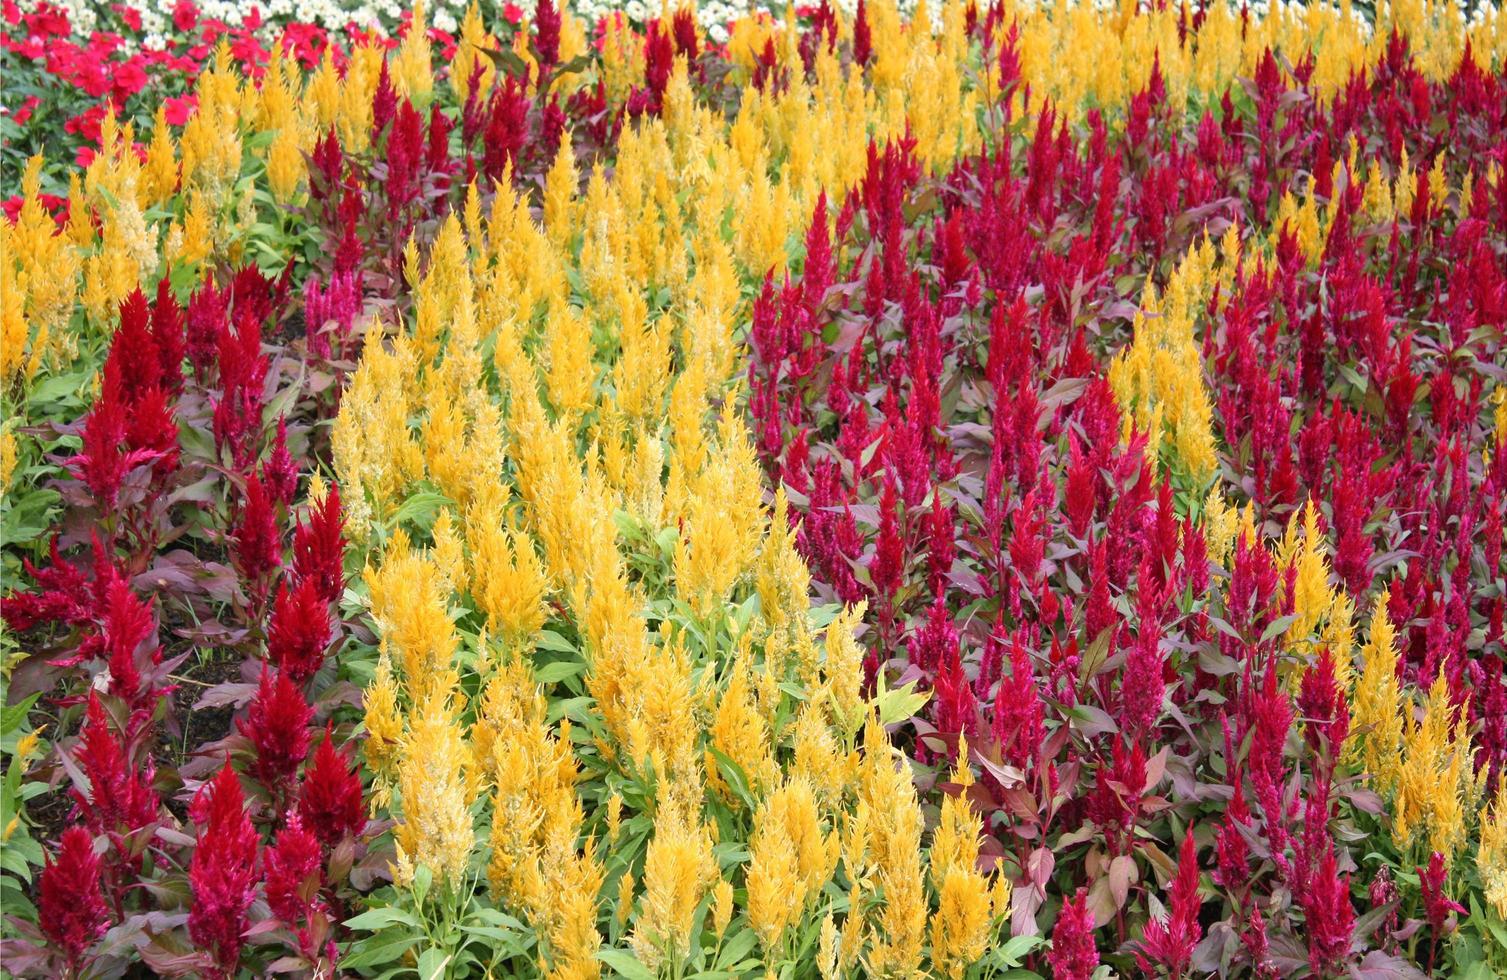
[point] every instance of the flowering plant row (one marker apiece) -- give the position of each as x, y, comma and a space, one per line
872, 497
1122, 497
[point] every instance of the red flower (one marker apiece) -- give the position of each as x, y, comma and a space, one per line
70, 908
1322, 704
293, 873
329, 801
280, 471
64, 595
1169, 941
888, 562
1331, 917
185, 18
277, 723
222, 873
1143, 687
258, 542
1073, 955
319, 547
1019, 717
128, 627
86, 125
133, 357
863, 40
22, 114
178, 109
126, 79
101, 465
130, 15
547, 41
300, 630
120, 800
120, 797
1436, 904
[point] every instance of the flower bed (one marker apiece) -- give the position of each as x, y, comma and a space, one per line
1016, 494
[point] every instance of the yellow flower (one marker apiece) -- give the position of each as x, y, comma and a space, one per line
569, 359
678, 870
384, 723
1303, 550
160, 174
783, 581
27, 744
1436, 785
509, 581
285, 165
1376, 717
791, 858
842, 671
960, 928
1491, 857
1158, 378
7, 458
410, 602
722, 905
435, 780
412, 71
739, 733
885, 840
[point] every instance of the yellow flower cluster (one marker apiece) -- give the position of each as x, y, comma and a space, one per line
561, 398
1419, 757
1158, 377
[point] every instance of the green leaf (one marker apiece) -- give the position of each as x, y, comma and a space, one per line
736, 948
900, 703
1014, 950
554, 642
421, 508
1278, 626
559, 671
379, 918
625, 963
432, 963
